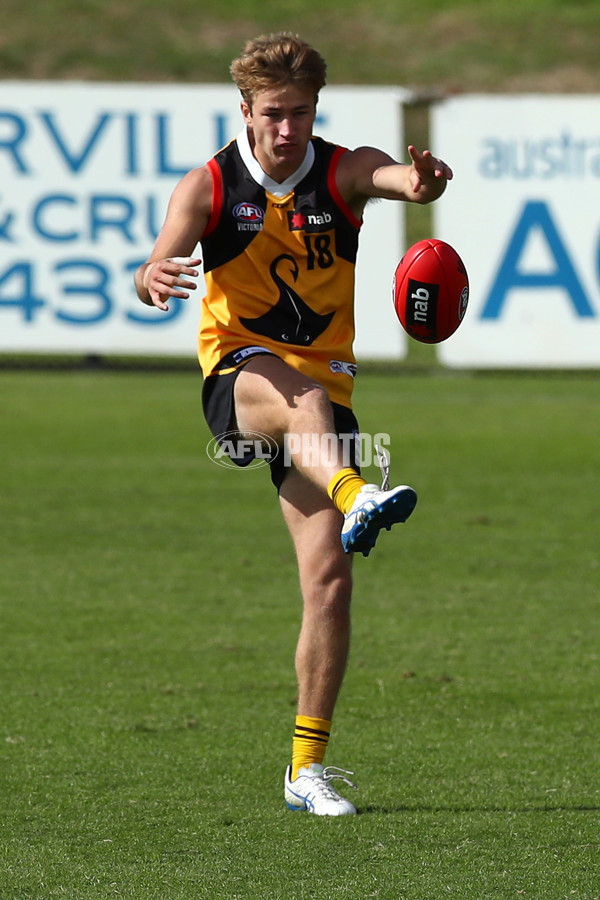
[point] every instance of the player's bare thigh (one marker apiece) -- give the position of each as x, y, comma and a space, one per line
270, 396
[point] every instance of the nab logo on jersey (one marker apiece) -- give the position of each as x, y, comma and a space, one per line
311, 221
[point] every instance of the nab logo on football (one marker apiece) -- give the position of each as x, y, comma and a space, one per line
421, 310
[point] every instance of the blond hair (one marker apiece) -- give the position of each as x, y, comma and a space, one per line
278, 59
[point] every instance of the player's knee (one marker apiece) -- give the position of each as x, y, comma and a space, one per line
331, 592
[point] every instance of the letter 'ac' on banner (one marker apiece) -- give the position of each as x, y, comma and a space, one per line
531, 247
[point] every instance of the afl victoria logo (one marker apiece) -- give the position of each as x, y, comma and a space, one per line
248, 212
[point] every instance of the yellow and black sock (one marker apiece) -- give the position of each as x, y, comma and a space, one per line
344, 487
310, 742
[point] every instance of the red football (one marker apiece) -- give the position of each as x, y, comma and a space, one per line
431, 291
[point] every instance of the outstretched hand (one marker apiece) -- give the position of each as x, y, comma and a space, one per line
426, 169
165, 278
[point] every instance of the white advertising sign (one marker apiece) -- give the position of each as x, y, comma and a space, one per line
86, 171
523, 214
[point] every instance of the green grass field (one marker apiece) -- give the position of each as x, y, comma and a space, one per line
148, 599
149, 617
439, 45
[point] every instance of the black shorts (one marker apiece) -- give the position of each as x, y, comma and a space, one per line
219, 412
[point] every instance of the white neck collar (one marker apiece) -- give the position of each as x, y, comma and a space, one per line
261, 177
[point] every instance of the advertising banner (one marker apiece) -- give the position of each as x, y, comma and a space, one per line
523, 214
86, 172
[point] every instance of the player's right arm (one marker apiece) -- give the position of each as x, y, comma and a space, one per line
159, 278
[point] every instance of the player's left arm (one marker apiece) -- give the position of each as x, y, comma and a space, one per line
367, 173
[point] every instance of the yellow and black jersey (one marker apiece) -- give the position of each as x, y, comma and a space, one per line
279, 268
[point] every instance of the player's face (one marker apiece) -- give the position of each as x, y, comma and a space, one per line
280, 126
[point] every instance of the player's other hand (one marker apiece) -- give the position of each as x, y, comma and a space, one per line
165, 278
426, 168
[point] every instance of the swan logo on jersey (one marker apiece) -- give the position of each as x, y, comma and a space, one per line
249, 216
310, 220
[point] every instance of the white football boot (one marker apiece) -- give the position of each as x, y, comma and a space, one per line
311, 791
375, 508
